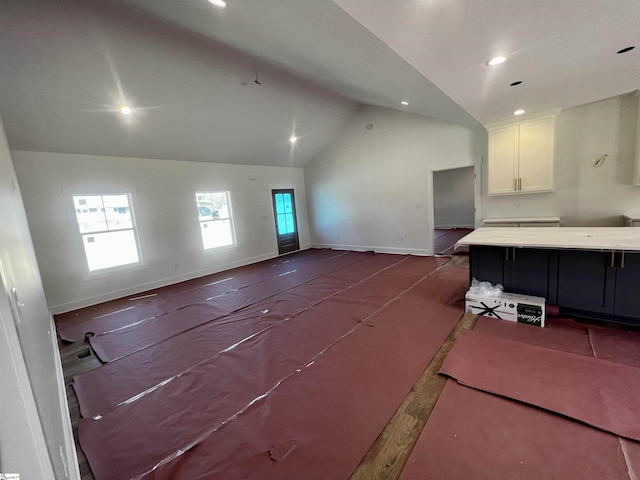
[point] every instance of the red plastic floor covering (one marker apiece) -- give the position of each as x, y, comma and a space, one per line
559, 333
621, 346
597, 392
177, 296
88, 313
187, 410
102, 388
329, 414
112, 383
113, 345
476, 435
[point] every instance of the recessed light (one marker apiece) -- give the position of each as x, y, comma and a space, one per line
519, 112
404, 103
293, 139
515, 84
218, 3
125, 110
496, 61
625, 50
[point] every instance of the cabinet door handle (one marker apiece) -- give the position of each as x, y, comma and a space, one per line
520, 184
622, 260
513, 254
515, 184
506, 253
613, 257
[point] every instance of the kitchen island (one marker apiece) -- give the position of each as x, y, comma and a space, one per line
589, 272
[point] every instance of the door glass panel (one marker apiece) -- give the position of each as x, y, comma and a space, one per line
282, 224
279, 203
290, 227
287, 203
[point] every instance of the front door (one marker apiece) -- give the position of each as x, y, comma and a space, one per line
284, 211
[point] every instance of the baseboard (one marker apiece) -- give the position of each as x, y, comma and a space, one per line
86, 302
448, 227
378, 249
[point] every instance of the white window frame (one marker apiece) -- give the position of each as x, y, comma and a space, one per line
80, 235
233, 243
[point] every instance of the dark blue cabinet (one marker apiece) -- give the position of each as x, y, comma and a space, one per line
602, 285
528, 271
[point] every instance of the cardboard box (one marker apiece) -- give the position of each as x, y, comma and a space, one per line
508, 306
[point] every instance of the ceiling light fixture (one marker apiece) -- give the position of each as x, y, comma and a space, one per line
218, 3
404, 103
519, 112
496, 61
125, 110
625, 50
293, 139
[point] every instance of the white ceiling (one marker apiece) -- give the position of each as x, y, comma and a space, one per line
66, 66
564, 51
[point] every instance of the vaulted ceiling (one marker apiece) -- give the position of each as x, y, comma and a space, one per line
233, 85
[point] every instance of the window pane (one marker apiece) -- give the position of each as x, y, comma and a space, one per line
220, 205
216, 233
89, 213
287, 203
117, 212
205, 206
290, 226
110, 249
279, 203
282, 224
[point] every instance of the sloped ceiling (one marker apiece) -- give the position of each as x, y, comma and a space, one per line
68, 66
563, 51
188, 69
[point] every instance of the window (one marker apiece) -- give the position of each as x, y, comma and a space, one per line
107, 229
216, 225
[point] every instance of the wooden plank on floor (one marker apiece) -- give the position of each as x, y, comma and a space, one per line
388, 455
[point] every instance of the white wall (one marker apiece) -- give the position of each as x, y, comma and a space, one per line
370, 189
165, 212
453, 192
35, 431
584, 195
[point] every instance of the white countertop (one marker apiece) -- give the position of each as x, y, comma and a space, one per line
585, 238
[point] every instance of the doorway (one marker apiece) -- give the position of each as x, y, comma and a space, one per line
453, 208
284, 212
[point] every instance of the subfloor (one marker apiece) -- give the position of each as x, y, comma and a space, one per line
359, 400
445, 240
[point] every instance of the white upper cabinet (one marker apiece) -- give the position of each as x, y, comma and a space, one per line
521, 156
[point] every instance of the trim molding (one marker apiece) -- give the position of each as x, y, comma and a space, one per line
364, 248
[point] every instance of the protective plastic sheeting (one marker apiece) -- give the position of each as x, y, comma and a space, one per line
129, 311
597, 392
616, 345
125, 341
475, 435
558, 333
402, 332
334, 409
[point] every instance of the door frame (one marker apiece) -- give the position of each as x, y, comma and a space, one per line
274, 222
477, 183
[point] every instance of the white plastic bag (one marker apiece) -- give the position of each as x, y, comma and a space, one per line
485, 288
